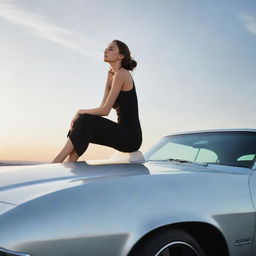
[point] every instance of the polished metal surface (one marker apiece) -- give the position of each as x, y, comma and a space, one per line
177, 248
13, 253
72, 208
213, 130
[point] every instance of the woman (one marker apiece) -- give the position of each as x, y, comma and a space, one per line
89, 125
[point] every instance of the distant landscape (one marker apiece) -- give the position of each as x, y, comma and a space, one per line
18, 163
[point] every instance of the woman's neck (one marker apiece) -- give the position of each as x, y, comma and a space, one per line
115, 68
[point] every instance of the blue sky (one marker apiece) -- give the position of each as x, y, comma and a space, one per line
196, 67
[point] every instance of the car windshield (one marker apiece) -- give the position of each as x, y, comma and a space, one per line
222, 148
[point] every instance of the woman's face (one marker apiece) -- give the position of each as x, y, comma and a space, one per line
111, 53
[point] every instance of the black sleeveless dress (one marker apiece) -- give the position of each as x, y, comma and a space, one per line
125, 135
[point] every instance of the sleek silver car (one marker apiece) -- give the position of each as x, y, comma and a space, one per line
192, 194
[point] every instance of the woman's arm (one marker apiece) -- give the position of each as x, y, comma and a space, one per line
105, 106
110, 95
107, 87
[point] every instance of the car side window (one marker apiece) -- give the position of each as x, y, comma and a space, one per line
245, 160
246, 157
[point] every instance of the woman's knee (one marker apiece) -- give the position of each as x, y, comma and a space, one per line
86, 117
83, 119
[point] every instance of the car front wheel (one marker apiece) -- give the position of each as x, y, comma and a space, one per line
175, 242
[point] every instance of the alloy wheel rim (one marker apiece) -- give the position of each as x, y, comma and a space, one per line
177, 248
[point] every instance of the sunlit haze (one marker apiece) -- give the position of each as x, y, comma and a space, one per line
196, 68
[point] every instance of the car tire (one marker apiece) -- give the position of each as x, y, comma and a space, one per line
174, 242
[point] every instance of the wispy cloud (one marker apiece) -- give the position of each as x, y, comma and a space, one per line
250, 23
41, 26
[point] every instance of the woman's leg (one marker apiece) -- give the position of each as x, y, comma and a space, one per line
98, 130
67, 149
73, 157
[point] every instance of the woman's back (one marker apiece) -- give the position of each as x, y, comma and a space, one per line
126, 106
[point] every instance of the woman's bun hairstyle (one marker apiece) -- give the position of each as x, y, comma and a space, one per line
127, 62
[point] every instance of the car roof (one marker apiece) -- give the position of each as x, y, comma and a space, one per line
213, 130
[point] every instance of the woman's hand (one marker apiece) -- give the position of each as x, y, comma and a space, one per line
110, 75
74, 120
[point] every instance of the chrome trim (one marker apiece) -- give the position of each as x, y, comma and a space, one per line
7, 203
10, 253
211, 130
175, 243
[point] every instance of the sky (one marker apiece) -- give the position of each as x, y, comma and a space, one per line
196, 68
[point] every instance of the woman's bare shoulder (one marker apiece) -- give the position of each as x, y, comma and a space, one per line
124, 73
126, 79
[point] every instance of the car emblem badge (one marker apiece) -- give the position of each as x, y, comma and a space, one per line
241, 242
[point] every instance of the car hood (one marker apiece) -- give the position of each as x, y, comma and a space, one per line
19, 183
23, 183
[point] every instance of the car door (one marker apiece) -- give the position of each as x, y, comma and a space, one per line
252, 186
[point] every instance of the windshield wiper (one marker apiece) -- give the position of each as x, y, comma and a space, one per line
185, 161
